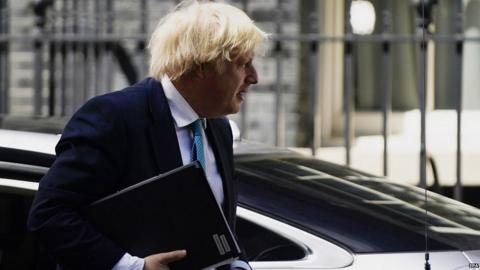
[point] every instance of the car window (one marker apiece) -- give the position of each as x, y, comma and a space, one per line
31, 173
261, 244
24, 165
443, 206
274, 244
445, 210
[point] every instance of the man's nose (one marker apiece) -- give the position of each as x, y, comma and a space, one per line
252, 77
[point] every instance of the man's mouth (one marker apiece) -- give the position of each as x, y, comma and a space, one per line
242, 93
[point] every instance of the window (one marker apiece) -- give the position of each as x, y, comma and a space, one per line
261, 244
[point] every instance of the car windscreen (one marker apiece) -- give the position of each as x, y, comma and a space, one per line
364, 215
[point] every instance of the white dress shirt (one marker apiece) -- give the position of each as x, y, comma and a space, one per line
183, 115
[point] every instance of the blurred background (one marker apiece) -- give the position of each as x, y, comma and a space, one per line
390, 87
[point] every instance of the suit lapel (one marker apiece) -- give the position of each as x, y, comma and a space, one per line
162, 131
214, 138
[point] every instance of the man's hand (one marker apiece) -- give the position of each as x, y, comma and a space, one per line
160, 261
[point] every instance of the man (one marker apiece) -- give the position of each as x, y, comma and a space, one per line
201, 68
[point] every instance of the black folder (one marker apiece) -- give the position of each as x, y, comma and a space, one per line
172, 211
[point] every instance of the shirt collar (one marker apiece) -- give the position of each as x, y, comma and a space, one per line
182, 113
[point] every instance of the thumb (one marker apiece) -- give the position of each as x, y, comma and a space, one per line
173, 256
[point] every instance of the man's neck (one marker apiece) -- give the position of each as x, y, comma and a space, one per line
191, 89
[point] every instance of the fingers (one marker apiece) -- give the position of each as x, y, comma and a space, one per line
172, 256
160, 261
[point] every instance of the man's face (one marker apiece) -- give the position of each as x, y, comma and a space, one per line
227, 90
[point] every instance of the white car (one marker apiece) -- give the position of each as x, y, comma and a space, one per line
295, 212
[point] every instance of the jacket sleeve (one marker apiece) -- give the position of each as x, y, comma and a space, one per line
89, 159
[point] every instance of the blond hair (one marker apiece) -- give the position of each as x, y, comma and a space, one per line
198, 33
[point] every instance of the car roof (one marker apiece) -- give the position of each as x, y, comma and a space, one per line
29, 141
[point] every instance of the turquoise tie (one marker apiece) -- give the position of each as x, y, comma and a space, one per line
197, 146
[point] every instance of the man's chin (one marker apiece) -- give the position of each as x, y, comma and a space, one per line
237, 107
232, 112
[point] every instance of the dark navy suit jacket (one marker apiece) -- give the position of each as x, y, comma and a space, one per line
113, 141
